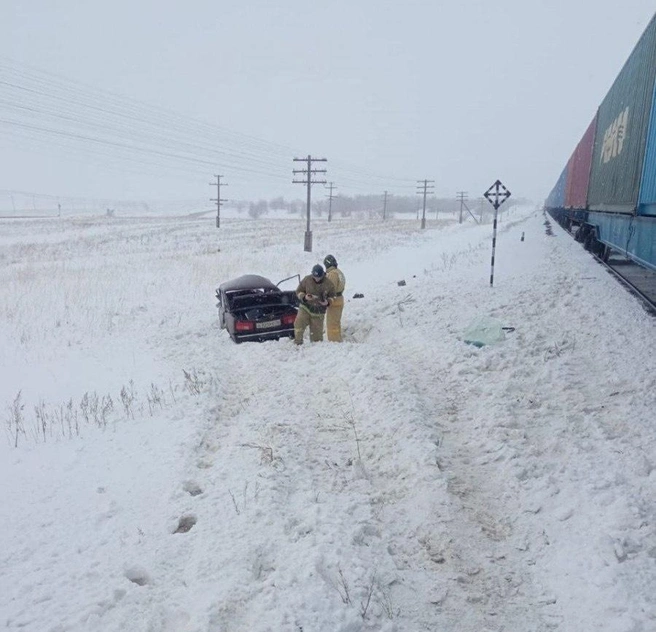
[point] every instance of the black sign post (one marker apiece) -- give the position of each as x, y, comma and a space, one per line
496, 195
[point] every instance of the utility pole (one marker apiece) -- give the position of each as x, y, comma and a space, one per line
330, 196
309, 182
463, 203
462, 196
218, 198
385, 207
426, 185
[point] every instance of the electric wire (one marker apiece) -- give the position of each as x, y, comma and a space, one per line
54, 108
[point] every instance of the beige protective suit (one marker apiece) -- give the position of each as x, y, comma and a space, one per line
336, 306
314, 297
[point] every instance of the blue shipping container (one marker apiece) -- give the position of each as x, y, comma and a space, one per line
556, 198
633, 236
647, 200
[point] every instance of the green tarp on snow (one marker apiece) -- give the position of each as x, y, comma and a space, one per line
484, 331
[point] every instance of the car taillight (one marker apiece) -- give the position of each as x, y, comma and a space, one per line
288, 319
244, 325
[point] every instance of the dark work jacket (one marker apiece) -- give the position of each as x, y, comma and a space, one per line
323, 291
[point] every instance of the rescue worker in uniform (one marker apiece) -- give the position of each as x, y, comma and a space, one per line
314, 292
336, 307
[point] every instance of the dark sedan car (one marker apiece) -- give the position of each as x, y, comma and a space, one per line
251, 307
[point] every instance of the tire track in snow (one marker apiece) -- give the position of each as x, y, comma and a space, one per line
484, 557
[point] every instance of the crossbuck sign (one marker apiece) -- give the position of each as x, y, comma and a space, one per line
496, 195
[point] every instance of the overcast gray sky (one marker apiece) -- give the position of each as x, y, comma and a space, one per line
461, 92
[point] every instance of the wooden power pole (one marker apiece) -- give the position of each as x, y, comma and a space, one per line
426, 186
331, 186
462, 196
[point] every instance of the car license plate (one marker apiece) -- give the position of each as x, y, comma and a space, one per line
268, 325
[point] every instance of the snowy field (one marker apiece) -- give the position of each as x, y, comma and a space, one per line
156, 477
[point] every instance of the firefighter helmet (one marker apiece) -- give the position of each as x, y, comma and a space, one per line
330, 262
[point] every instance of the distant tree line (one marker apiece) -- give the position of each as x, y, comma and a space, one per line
370, 206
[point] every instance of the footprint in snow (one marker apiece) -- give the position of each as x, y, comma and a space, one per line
137, 575
192, 488
186, 523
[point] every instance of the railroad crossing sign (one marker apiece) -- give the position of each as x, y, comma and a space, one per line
497, 194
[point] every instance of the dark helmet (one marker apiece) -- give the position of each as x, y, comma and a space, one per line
318, 272
330, 261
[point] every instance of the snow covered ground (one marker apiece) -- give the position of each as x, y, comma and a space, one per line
168, 480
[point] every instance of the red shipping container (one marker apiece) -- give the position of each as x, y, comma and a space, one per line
578, 178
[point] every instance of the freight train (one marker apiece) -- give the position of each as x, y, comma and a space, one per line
606, 194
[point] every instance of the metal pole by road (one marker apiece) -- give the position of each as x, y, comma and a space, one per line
496, 195
494, 246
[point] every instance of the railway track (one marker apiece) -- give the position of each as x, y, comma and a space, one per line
639, 280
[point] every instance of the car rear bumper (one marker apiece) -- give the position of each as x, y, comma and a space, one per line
260, 336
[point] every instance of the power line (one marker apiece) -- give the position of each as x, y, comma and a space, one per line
90, 116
